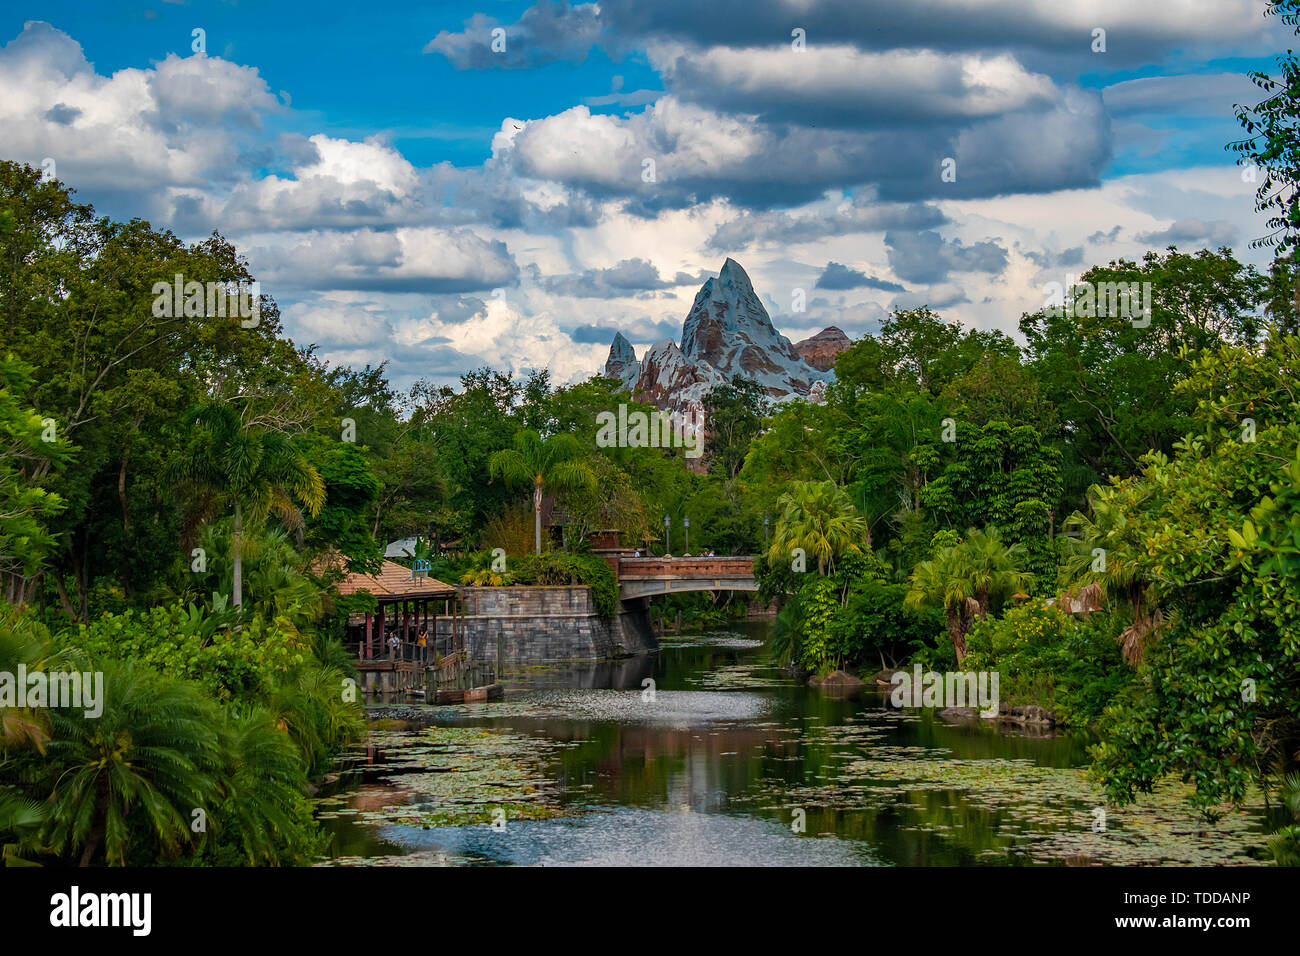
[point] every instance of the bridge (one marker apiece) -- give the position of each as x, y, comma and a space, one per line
646, 577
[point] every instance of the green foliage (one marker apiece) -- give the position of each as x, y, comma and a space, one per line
557, 463
1112, 379
231, 662
351, 490
126, 785
1070, 664
851, 618
560, 568
1003, 476
819, 518
733, 414
968, 580
25, 504
263, 816
1284, 844
1273, 142
1219, 699
155, 749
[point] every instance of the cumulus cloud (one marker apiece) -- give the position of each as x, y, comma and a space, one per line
676, 153
1192, 232
753, 149
559, 30
842, 86
184, 122
543, 34
402, 260
643, 330
839, 276
928, 258
626, 278
820, 220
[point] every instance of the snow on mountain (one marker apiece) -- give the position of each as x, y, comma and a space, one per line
726, 332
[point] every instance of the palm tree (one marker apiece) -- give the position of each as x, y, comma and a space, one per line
264, 787
256, 470
965, 578
1109, 526
945, 580
995, 567
820, 518
556, 464
152, 751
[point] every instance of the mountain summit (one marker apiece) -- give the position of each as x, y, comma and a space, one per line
726, 332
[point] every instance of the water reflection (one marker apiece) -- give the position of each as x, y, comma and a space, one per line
731, 763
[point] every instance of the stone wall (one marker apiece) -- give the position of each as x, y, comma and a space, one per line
537, 623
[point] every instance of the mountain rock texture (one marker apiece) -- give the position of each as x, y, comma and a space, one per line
821, 350
726, 332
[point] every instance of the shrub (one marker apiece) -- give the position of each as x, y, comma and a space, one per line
1046, 656
203, 646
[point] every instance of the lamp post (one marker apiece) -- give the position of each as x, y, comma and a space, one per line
686, 523
667, 525
764, 532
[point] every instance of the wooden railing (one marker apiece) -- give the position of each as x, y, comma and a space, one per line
458, 672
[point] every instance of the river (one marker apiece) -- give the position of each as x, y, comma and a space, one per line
723, 760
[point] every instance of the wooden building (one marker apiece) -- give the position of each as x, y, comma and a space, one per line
407, 599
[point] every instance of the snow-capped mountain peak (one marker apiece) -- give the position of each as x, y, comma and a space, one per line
726, 332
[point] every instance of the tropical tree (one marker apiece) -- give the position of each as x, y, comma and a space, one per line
264, 813
556, 464
820, 518
965, 579
25, 505
996, 568
1104, 562
733, 415
1273, 143
149, 758
256, 470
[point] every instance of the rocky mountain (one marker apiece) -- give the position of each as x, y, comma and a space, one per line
726, 332
821, 350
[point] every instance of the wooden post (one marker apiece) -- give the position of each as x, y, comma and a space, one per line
406, 621
369, 648
379, 619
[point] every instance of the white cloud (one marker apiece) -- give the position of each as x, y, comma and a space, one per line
848, 87
181, 123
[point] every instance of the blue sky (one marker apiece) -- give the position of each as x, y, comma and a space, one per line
410, 194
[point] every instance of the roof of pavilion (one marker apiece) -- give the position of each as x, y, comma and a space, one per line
394, 583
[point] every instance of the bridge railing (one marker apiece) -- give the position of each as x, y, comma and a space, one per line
714, 566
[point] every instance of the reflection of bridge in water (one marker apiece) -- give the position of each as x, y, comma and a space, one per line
646, 577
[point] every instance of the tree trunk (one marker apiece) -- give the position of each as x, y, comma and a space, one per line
125, 570
68, 609
237, 548
537, 515
956, 631
121, 495
97, 826
81, 575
